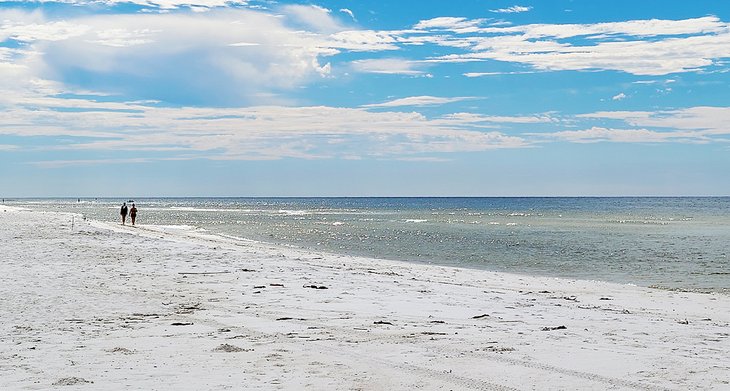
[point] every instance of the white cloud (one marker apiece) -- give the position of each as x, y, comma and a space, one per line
667, 81
234, 54
676, 45
699, 125
245, 44
274, 132
33, 31
418, 101
482, 74
513, 9
164, 5
471, 118
314, 17
705, 120
635, 28
598, 134
637, 57
238, 55
388, 66
258, 54
363, 40
349, 12
123, 38
263, 132
620, 96
449, 23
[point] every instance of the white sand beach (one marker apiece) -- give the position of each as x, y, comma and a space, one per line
100, 306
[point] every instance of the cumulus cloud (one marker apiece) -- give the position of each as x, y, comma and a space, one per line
230, 55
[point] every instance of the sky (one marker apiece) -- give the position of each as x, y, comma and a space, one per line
364, 98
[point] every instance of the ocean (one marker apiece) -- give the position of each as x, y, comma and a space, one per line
669, 243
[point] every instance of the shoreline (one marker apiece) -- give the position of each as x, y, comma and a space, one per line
664, 247
141, 308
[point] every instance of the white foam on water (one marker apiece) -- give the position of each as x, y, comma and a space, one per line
294, 212
177, 227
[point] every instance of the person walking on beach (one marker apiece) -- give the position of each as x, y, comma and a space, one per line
133, 213
123, 212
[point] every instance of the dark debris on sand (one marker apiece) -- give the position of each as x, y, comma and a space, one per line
71, 381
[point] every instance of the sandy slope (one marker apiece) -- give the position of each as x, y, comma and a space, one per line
109, 307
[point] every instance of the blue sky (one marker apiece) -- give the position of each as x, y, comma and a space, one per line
364, 98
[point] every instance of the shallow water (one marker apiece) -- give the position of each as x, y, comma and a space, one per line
674, 243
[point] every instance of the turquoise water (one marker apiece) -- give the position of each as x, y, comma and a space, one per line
673, 243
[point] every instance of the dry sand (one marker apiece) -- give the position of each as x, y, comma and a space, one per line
102, 306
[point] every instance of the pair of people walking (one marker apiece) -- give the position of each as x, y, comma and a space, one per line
132, 213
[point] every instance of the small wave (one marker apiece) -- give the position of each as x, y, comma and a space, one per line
494, 223
338, 223
643, 222
181, 227
191, 209
289, 212
302, 212
416, 220
233, 237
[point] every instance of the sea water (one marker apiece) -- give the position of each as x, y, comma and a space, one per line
672, 243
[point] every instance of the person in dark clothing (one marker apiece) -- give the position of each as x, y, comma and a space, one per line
123, 212
133, 213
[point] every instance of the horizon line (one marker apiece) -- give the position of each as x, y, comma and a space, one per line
5, 199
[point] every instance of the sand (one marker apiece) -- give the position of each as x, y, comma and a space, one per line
103, 306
